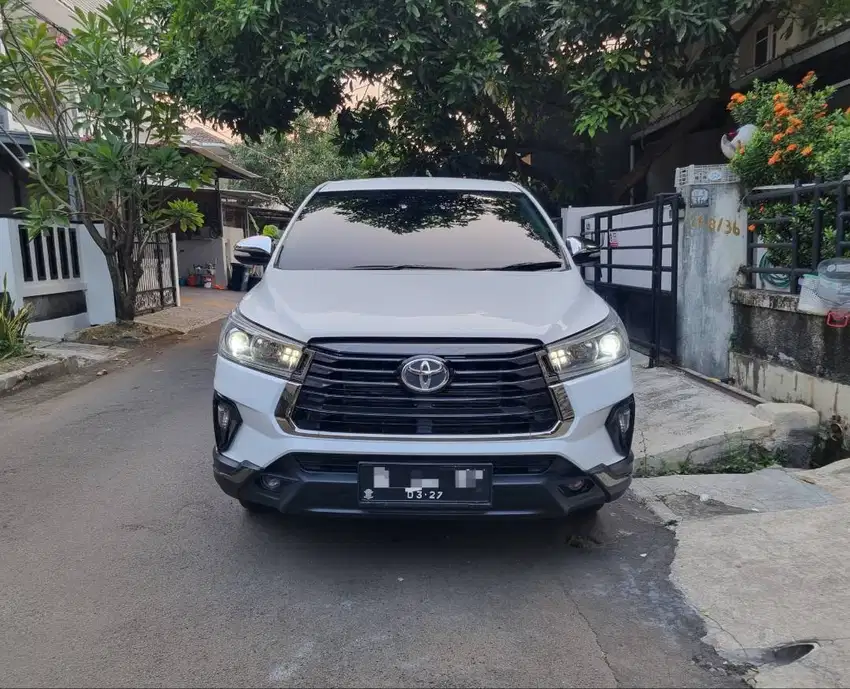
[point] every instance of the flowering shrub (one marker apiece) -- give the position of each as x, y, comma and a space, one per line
797, 138
797, 135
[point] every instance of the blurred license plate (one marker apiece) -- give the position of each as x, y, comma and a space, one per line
416, 484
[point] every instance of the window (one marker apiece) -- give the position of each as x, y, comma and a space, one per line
446, 229
765, 48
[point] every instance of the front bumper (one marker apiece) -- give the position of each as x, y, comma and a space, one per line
335, 492
261, 445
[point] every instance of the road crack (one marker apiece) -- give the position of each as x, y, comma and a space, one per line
581, 614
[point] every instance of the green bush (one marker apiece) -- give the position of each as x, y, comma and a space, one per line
13, 326
797, 139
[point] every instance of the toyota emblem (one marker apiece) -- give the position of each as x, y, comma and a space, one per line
424, 374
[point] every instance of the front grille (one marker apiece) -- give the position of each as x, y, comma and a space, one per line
495, 390
347, 464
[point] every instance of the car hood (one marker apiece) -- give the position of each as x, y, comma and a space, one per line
304, 305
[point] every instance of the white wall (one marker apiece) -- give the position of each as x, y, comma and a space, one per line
231, 236
93, 281
99, 297
572, 215
191, 252
623, 255
9, 266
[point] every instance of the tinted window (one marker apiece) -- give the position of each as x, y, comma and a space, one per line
458, 230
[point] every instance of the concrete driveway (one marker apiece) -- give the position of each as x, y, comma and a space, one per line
198, 308
123, 565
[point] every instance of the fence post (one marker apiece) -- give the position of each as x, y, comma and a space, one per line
839, 219
795, 240
817, 224
654, 328
675, 209
597, 269
158, 246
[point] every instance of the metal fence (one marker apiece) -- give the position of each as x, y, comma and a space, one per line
156, 289
793, 228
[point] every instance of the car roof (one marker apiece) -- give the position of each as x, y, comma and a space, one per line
417, 183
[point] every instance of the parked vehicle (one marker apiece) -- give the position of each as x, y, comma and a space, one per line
422, 347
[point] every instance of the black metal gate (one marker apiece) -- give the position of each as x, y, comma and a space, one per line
156, 289
637, 274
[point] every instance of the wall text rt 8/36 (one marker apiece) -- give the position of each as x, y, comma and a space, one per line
712, 224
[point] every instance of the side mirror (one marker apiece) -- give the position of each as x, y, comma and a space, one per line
253, 251
583, 251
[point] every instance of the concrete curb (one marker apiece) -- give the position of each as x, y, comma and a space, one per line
702, 451
41, 371
650, 500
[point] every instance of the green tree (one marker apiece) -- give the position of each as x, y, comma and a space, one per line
470, 85
114, 158
291, 166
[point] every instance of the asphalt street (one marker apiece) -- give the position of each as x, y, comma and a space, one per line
122, 564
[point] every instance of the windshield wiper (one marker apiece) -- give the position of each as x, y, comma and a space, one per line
531, 265
401, 266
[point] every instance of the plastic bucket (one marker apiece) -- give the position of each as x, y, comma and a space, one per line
834, 282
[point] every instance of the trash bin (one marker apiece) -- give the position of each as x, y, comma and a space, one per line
237, 277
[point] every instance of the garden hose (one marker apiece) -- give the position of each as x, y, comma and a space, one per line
776, 280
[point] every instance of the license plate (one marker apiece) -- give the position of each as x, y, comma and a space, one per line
420, 484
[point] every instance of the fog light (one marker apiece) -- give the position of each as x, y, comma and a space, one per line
270, 482
226, 421
576, 485
621, 425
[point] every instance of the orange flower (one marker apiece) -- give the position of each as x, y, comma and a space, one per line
775, 158
751, 228
779, 107
791, 147
820, 115
777, 138
847, 112
795, 121
778, 96
790, 131
807, 151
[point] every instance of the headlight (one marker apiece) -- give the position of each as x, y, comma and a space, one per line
250, 345
603, 345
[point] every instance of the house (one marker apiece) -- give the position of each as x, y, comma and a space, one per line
769, 49
61, 274
231, 214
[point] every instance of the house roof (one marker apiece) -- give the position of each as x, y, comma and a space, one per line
224, 167
201, 137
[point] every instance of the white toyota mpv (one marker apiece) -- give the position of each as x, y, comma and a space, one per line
422, 347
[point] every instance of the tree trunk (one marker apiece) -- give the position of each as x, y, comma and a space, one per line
119, 286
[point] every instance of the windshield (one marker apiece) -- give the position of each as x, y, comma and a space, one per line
403, 229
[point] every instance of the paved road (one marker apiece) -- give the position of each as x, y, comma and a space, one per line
121, 563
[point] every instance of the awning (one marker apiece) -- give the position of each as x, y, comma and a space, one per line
248, 196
